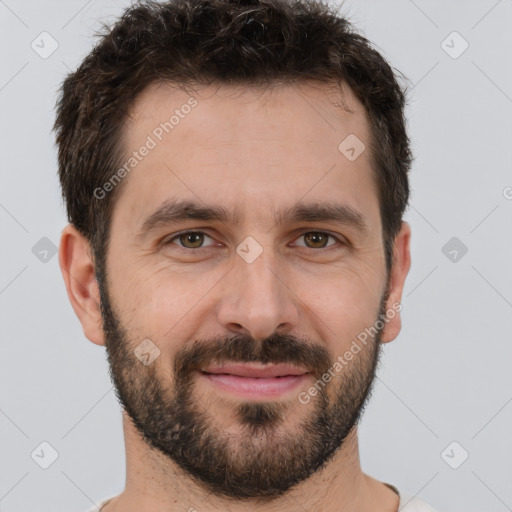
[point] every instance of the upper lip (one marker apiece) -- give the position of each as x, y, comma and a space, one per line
256, 370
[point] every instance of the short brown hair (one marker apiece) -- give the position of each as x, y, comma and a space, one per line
244, 42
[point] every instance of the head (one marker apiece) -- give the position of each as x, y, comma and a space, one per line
235, 177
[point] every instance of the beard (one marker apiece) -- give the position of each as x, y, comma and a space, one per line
264, 457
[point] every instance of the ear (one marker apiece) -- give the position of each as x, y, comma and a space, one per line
77, 269
399, 271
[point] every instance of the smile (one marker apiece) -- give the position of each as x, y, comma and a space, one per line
251, 380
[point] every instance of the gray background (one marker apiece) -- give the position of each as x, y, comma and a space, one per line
446, 378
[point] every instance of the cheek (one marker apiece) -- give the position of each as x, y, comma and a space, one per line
163, 302
343, 305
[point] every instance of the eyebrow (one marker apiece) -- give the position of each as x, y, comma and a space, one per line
323, 212
176, 211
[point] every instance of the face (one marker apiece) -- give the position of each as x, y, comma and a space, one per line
224, 261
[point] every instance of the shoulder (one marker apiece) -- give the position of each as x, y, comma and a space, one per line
98, 507
411, 504
408, 503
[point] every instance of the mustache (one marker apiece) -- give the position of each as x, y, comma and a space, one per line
241, 348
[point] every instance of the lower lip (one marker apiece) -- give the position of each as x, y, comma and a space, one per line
252, 387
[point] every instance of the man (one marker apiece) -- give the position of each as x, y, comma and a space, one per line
235, 175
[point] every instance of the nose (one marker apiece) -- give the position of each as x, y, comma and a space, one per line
257, 300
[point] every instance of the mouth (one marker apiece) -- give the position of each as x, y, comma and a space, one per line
253, 380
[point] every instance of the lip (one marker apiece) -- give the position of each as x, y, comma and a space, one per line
256, 371
255, 380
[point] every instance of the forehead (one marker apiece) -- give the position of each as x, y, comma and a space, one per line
243, 146
309, 110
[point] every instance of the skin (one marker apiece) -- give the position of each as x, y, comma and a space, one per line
255, 152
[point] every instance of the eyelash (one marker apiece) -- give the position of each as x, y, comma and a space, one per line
189, 249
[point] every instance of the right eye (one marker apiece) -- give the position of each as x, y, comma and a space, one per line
189, 240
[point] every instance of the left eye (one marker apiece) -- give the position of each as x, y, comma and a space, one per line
318, 239
195, 239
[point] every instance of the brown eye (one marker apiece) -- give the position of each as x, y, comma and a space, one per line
190, 240
194, 239
317, 239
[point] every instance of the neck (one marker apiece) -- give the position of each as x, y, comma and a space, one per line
156, 483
